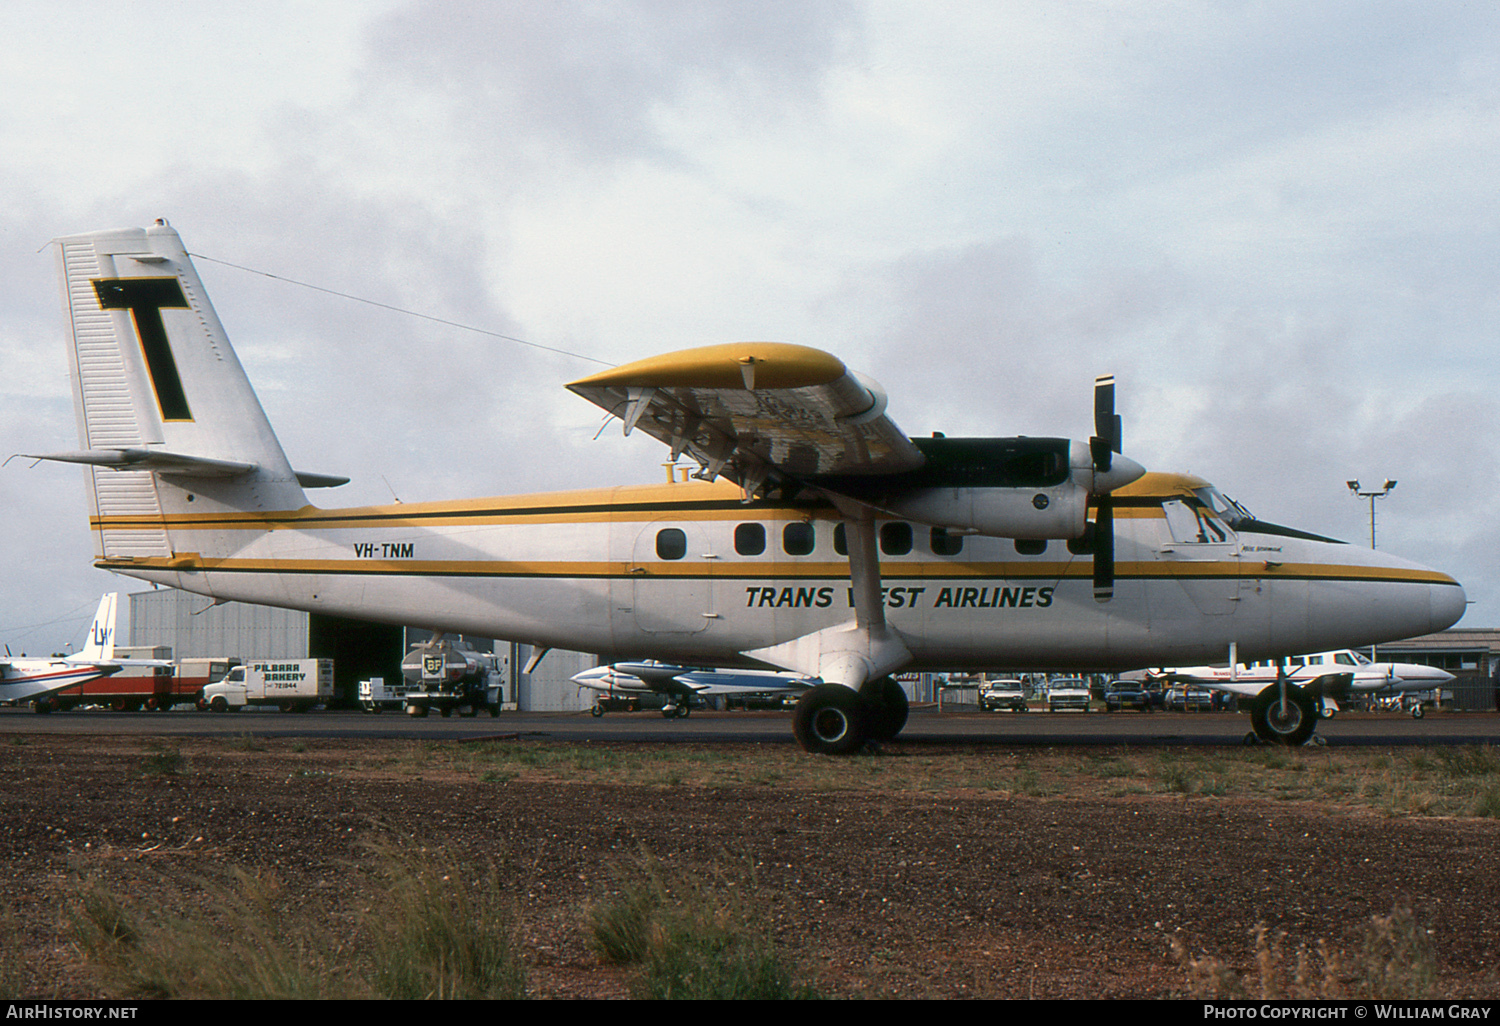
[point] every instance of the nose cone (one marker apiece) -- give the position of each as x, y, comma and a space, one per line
1122, 470
1448, 603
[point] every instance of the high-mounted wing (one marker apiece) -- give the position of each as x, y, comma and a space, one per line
756, 411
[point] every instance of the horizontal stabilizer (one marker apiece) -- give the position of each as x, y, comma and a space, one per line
175, 463
149, 459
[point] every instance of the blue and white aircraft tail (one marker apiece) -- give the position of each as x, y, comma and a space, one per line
681, 684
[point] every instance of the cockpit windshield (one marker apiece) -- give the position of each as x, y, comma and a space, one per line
1225, 508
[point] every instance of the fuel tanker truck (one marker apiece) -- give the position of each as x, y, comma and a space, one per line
446, 675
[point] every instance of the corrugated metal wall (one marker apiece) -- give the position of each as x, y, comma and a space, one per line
195, 627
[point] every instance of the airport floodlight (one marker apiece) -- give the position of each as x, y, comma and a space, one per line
1372, 496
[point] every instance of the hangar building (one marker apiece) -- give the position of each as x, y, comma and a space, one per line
195, 627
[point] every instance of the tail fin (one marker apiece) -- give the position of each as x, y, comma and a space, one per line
101, 644
167, 418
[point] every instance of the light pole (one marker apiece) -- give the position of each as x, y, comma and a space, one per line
1372, 496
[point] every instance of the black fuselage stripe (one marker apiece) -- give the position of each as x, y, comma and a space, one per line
758, 579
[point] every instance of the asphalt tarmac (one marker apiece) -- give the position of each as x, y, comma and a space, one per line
926, 726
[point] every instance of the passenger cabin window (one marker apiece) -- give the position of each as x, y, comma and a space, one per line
840, 540
1031, 546
895, 538
671, 543
797, 538
750, 539
945, 544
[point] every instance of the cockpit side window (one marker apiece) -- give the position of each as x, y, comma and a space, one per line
1193, 523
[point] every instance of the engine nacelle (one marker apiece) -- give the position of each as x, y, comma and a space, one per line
1024, 488
1030, 513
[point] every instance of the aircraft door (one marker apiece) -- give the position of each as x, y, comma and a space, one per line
672, 571
1205, 557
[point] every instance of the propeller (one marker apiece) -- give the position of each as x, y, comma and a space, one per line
1102, 449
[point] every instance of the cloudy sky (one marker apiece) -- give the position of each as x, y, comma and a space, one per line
1276, 222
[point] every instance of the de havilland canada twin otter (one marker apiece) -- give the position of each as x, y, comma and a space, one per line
817, 538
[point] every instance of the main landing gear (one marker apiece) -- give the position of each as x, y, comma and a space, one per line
1284, 720
832, 719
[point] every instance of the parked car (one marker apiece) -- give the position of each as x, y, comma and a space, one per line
1125, 694
1007, 694
1068, 693
1189, 700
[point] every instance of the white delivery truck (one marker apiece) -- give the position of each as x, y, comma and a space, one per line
292, 685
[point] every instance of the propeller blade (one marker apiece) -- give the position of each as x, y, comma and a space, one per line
1104, 550
1107, 427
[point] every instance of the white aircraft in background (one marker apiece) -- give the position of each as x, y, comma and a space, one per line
835, 547
24, 680
681, 684
1364, 677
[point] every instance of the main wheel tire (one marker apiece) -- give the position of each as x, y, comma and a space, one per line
597, 711
885, 708
829, 720
1290, 725
1417, 712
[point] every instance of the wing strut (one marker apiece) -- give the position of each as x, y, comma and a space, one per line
864, 573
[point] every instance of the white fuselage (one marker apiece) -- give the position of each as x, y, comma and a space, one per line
25, 679
653, 572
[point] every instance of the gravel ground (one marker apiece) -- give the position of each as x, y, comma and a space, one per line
870, 894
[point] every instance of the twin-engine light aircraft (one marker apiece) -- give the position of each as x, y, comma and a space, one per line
834, 546
26, 680
682, 684
1329, 678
